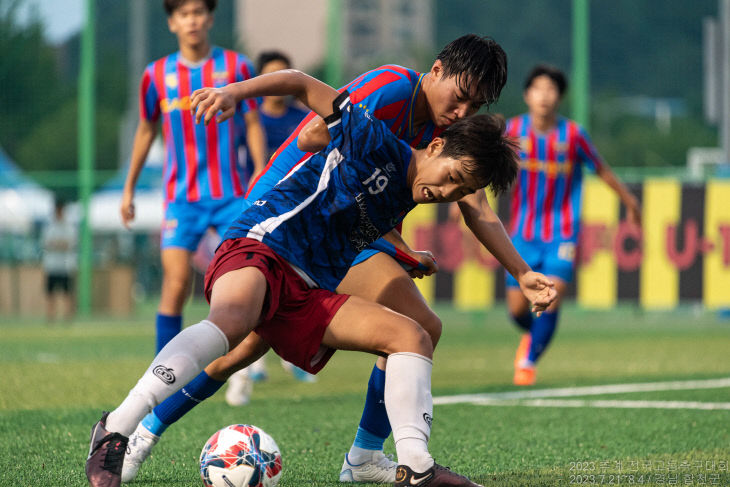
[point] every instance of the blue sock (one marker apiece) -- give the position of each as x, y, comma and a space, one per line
542, 331
167, 328
524, 321
374, 425
177, 405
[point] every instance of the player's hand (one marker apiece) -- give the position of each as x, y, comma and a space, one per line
539, 290
207, 103
426, 258
126, 209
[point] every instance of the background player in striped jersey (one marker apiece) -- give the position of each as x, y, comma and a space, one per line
203, 182
468, 73
283, 257
546, 203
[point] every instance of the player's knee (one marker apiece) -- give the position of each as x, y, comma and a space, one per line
433, 326
415, 339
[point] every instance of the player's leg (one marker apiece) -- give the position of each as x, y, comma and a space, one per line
236, 302
176, 282
558, 262
207, 383
538, 330
381, 279
366, 326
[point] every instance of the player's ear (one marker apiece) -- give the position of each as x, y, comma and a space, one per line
171, 24
437, 69
435, 147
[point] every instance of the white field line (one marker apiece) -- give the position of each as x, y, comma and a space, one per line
496, 398
580, 403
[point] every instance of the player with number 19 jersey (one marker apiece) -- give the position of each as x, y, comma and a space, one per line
358, 182
389, 93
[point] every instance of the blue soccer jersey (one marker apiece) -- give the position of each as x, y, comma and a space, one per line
333, 205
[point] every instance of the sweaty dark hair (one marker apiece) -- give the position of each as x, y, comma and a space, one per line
551, 72
267, 56
172, 5
487, 153
476, 60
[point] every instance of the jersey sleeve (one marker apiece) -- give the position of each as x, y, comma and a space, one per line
244, 71
384, 92
149, 99
587, 152
359, 136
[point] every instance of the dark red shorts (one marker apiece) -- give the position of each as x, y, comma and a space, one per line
294, 317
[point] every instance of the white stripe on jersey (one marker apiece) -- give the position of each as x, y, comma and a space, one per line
259, 231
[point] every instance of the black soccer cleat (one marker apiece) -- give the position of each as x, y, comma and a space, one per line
436, 476
106, 456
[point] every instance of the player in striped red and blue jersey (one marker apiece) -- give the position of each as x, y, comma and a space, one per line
546, 202
468, 73
203, 182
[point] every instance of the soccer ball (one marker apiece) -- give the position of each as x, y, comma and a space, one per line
240, 455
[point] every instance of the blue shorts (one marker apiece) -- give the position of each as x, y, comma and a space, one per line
550, 258
186, 223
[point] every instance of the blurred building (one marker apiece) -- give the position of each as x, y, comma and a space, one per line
369, 33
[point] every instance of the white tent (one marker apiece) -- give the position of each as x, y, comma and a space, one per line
22, 201
104, 208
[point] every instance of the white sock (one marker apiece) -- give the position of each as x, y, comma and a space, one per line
177, 364
409, 405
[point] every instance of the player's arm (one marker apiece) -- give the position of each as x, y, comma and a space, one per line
488, 229
221, 103
633, 209
424, 257
314, 136
255, 140
143, 138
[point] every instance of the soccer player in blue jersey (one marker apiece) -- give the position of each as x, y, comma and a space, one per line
281, 260
468, 72
203, 182
546, 199
279, 116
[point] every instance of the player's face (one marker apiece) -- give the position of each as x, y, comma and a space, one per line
542, 97
440, 179
450, 98
191, 23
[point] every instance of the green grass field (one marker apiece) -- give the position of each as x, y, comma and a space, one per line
56, 380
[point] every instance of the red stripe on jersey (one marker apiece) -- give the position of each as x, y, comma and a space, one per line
566, 210
514, 131
191, 150
213, 158
589, 152
399, 69
389, 111
238, 190
550, 179
143, 88
246, 74
417, 139
171, 171
373, 85
528, 231
286, 143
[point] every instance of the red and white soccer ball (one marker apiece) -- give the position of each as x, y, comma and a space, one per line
240, 455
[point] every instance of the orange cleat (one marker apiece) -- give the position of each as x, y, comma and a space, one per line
524, 376
523, 349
